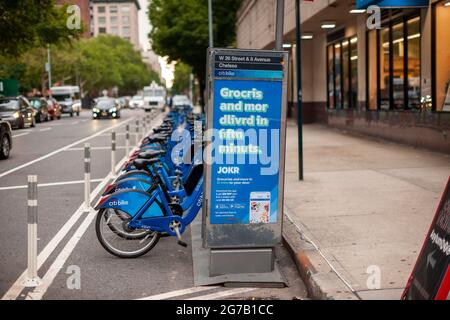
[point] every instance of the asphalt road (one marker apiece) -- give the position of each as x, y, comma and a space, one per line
66, 236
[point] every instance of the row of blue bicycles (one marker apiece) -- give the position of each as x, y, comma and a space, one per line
156, 194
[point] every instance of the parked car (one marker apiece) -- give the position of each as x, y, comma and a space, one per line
17, 111
106, 108
41, 107
5, 139
137, 102
54, 109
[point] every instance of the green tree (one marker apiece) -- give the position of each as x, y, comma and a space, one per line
28, 24
180, 30
181, 78
95, 64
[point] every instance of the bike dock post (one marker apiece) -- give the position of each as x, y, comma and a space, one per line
127, 140
113, 154
32, 279
137, 133
87, 177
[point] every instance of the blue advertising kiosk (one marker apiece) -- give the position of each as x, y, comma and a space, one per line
244, 169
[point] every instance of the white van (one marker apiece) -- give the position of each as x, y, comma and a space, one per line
69, 98
154, 97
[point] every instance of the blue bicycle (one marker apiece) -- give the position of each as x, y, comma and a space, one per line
138, 209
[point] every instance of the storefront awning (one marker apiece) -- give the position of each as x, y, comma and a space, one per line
363, 4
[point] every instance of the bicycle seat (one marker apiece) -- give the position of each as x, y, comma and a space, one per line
160, 130
156, 139
193, 178
150, 154
142, 164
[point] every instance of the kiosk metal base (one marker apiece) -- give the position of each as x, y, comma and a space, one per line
233, 267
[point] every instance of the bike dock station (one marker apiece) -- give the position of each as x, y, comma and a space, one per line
233, 242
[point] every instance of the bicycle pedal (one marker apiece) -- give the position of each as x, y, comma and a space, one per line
182, 243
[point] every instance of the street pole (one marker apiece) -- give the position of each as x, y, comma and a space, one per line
279, 25
298, 58
210, 24
49, 68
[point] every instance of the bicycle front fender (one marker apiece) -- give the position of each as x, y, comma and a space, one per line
129, 201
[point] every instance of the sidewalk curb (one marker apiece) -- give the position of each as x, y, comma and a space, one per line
320, 280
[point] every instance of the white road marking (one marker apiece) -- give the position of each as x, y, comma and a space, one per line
20, 134
50, 184
46, 129
222, 294
177, 293
61, 259
49, 277
63, 148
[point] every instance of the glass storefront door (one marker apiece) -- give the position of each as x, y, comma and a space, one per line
441, 87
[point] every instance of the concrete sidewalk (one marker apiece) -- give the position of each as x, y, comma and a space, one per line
363, 209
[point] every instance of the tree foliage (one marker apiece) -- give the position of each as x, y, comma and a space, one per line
95, 64
28, 24
180, 30
181, 78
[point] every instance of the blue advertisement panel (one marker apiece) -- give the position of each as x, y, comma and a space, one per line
245, 170
363, 4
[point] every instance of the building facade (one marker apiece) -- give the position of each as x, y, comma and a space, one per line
152, 60
85, 12
388, 80
116, 17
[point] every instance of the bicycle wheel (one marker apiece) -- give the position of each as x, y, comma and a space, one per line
115, 236
122, 229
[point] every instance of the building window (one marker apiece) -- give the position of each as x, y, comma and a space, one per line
101, 20
102, 30
113, 9
126, 31
101, 9
342, 74
113, 19
114, 30
126, 19
441, 48
393, 65
330, 83
125, 9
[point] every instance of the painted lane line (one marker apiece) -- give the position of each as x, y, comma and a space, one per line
177, 293
222, 294
20, 134
63, 148
18, 286
50, 184
61, 259
66, 251
45, 129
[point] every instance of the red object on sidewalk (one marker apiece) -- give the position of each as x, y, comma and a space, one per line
445, 287
430, 278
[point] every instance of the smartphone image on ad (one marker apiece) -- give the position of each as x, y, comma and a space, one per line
259, 207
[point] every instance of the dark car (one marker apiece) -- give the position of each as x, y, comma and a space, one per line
54, 109
106, 108
5, 139
41, 107
17, 111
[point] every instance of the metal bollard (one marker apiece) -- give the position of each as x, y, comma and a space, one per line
137, 133
32, 279
113, 153
127, 140
87, 177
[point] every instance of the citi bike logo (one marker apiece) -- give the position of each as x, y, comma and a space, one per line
116, 202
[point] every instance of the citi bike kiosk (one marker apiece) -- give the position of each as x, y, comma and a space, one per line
245, 157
